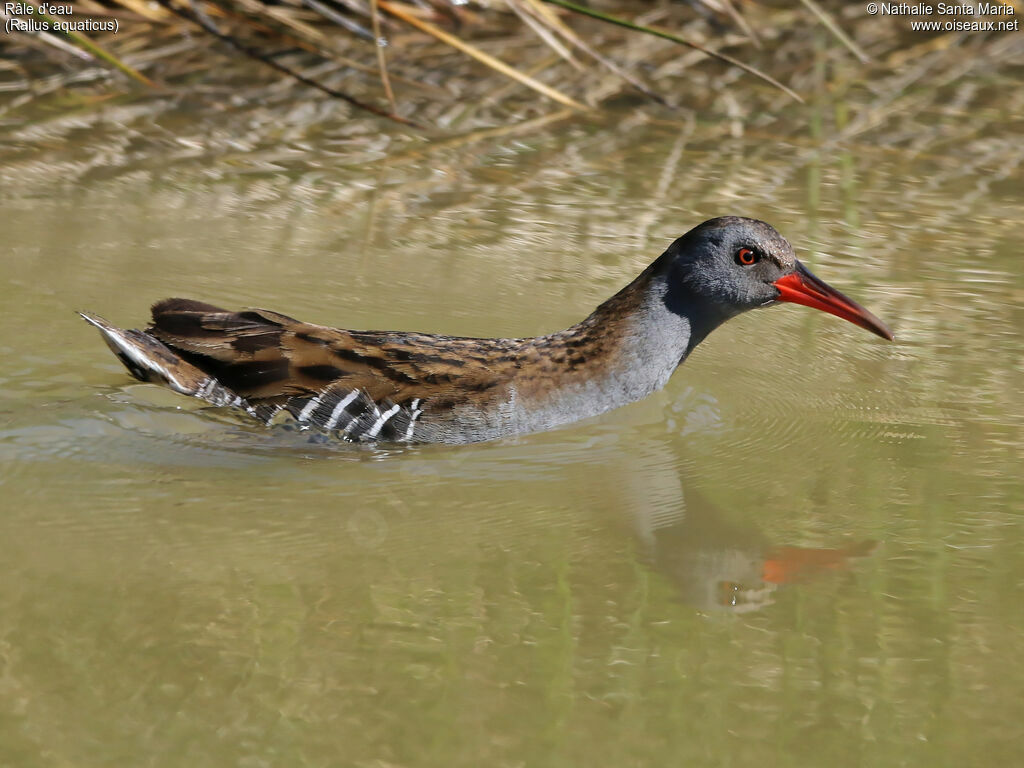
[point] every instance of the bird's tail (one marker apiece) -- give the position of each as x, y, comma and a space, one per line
149, 359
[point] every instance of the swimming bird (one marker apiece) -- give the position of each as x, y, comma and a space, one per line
367, 386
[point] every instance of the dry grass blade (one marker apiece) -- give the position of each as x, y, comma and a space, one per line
547, 16
476, 53
64, 45
46, 38
315, 46
832, 27
305, 37
741, 22
341, 20
100, 52
379, 43
676, 39
282, 15
550, 18
199, 20
543, 32
97, 50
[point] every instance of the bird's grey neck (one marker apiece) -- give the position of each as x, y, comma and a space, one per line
625, 350
653, 340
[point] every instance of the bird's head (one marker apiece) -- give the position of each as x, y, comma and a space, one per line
728, 265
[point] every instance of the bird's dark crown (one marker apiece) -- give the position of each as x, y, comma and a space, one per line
727, 232
725, 266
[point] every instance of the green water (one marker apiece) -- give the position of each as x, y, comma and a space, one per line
805, 551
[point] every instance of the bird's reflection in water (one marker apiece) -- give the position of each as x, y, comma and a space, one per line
716, 564
712, 560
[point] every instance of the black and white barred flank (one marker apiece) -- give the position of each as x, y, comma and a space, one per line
349, 414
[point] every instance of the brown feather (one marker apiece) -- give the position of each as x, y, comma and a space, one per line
385, 385
268, 358
396, 386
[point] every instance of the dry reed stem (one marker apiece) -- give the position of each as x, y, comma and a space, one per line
378, 43
484, 58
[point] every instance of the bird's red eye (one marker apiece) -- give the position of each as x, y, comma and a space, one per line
746, 257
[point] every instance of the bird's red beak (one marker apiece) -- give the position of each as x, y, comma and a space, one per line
802, 287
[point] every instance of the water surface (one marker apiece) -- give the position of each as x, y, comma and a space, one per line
804, 551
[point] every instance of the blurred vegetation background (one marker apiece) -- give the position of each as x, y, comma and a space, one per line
449, 65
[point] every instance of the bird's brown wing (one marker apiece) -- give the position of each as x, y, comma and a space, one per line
370, 384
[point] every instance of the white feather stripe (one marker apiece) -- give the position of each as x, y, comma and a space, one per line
412, 422
382, 420
339, 409
353, 425
308, 409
